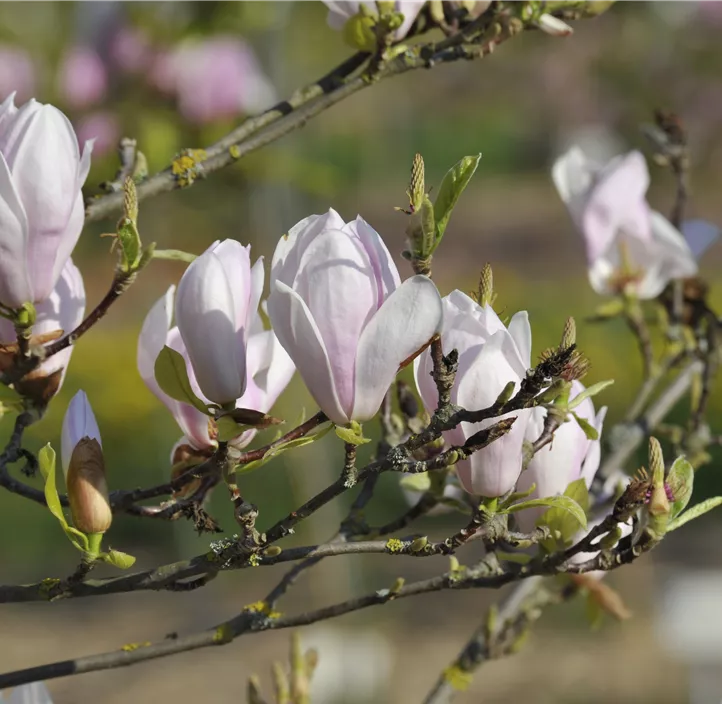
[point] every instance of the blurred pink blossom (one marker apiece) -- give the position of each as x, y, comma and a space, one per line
130, 49
213, 79
83, 79
17, 73
103, 127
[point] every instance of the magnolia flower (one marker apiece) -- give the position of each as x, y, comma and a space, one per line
340, 12
83, 78
341, 312
41, 204
629, 246
570, 456
62, 311
103, 128
17, 73
490, 356
268, 369
35, 693
84, 468
214, 79
130, 49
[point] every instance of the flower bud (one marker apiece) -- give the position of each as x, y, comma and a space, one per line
88, 489
84, 467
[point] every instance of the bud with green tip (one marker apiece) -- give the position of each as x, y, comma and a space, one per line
569, 335
659, 507
486, 295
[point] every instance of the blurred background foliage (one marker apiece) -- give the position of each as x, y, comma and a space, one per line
519, 107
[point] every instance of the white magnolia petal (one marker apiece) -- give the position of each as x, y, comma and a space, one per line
35, 693
297, 332
153, 336
573, 175
408, 319
520, 331
15, 284
205, 315
594, 454
79, 422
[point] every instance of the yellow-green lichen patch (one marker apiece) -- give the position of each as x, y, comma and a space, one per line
394, 545
130, 647
187, 166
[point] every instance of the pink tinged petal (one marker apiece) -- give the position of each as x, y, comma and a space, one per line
336, 282
83, 77
384, 269
520, 331
290, 247
573, 175
300, 337
258, 276
495, 469
14, 127
15, 284
35, 693
62, 310
7, 112
700, 234
669, 257
616, 200
425, 385
206, 318
236, 262
152, 339
408, 319
269, 369
79, 423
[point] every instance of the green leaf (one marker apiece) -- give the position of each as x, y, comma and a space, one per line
174, 255
130, 245
694, 512
46, 462
559, 520
561, 502
172, 377
589, 430
418, 482
453, 185
594, 612
680, 481
518, 495
519, 558
118, 559
610, 309
358, 32
280, 449
593, 390
352, 436
228, 428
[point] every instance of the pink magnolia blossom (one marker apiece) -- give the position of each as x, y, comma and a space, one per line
490, 356
62, 310
341, 312
130, 49
103, 128
214, 79
41, 203
570, 456
340, 12
268, 369
629, 246
17, 73
83, 78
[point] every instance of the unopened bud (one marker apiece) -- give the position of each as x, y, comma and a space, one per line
417, 188
88, 488
569, 336
506, 394
407, 401
658, 501
486, 286
130, 200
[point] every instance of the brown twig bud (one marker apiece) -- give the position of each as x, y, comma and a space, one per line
88, 489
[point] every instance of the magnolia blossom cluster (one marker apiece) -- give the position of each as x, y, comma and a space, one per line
631, 248
42, 171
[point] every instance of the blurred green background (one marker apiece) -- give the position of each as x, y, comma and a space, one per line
520, 107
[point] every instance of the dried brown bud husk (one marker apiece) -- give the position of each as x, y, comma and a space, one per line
37, 385
88, 488
185, 457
